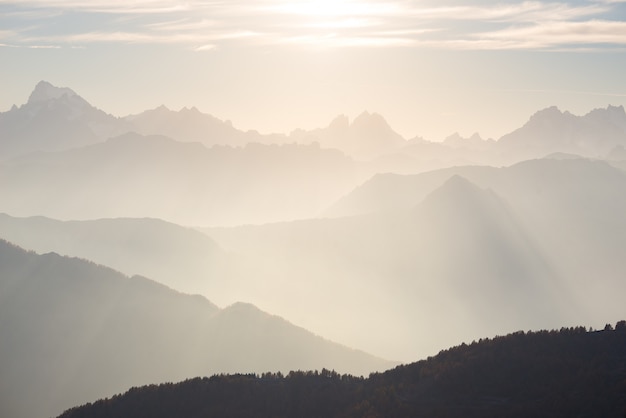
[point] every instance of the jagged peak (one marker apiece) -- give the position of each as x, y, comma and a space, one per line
616, 109
45, 91
476, 137
368, 118
548, 111
340, 122
454, 137
612, 112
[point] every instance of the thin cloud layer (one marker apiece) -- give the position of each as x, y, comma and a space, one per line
206, 25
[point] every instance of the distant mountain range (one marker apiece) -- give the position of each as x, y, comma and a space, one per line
72, 331
594, 135
56, 119
138, 176
63, 158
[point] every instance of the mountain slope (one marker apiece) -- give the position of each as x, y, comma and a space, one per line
72, 331
567, 373
461, 256
181, 258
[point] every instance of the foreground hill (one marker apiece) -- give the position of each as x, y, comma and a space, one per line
553, 374
72, 331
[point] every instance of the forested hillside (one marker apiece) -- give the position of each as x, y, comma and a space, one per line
566, 373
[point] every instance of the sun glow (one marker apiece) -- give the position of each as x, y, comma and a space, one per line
333, 8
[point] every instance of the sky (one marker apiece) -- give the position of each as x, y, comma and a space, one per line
431, 68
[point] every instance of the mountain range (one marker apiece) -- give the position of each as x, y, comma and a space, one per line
63, 158
57, 118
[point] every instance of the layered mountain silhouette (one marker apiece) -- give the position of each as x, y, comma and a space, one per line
138, 176
483, 251
574, 207
462, 256
72, 331
181, 258
400, 247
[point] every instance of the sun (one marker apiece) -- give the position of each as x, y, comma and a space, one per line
328, 8
335, 23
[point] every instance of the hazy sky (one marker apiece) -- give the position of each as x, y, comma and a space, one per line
430, 67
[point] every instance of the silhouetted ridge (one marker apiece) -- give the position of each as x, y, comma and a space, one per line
571, 372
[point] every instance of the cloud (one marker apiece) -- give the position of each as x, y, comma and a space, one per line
99, 6
206, 47
555, 33
206, 24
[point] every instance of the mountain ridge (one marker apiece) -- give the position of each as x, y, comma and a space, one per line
69, 121
72, 331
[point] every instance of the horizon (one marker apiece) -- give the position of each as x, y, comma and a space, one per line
351, 118
430, 69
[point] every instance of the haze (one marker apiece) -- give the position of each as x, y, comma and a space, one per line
235, 187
